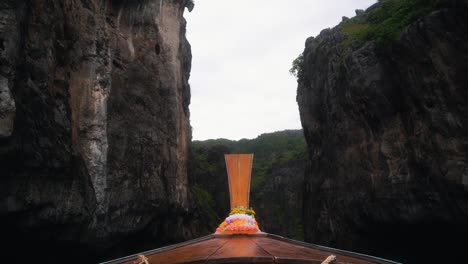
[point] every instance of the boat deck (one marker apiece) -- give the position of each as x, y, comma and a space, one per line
257, 248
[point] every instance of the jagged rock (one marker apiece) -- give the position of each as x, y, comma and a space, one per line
386, 128
7, 109
190, 5
100, 140
8, 39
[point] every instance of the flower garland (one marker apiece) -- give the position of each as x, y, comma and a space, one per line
243, 210
240, 220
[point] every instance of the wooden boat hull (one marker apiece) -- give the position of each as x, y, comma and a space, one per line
252, 248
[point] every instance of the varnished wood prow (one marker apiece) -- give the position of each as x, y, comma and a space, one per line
239, 169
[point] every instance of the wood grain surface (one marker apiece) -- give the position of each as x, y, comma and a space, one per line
239, 169
264, 248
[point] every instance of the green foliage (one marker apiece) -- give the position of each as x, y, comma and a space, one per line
268, 149
259, 176
355, 31
205, 203
385, 21
298, 153
297, 69
298, 229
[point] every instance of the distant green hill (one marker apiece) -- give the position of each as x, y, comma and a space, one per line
268, 149
278, 168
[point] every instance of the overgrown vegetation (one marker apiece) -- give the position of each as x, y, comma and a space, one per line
385, 21
297, 68
268, 149
382, 22
205, 202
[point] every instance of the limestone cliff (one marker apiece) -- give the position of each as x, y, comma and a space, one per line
94, 119
385, 118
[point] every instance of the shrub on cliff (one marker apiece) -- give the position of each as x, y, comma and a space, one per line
297, 69
384, 21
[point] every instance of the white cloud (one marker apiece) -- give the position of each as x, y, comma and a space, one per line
242, 51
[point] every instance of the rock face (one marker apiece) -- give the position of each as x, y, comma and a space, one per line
94, 119
279, 200
7, 109
387, 134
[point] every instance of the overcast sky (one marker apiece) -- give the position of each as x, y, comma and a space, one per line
242, 51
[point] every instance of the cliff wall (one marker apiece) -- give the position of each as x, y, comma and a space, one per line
94, 119
385, 119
